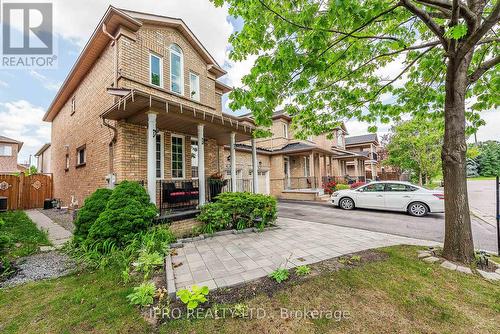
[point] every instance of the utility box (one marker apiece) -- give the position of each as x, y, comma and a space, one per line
3, 204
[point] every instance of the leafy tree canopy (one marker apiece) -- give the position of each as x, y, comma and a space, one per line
328, 61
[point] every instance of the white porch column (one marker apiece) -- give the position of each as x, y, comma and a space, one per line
233, 162
151, 169
201, 165
356, 168
313, 170
255, 171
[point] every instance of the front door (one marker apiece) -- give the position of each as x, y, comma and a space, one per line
371, 196
286, 171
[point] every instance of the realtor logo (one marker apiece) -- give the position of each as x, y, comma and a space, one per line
27, 35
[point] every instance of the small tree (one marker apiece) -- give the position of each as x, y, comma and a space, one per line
415, 146
489, 159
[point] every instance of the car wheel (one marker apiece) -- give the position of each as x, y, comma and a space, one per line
418, 209
346, 203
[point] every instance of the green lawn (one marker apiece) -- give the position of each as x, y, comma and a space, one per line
23, 232
398, 295
479, 178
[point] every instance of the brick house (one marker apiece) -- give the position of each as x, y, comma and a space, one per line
367, 145
142, 102
43, 159
291, 168
9, 150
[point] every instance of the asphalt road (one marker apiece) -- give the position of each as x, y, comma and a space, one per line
430, 227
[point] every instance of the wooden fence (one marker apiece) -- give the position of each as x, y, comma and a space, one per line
25, 192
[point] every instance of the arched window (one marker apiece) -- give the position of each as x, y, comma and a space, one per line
176, 69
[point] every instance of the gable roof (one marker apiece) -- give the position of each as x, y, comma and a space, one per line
42, 149
4, 139
110, 24
363, 139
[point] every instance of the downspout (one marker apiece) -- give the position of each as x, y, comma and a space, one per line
111, 177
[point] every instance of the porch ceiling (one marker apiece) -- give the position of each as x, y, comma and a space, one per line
178, 118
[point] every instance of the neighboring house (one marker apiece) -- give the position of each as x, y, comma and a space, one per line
293, 168
9, 149
366, 145
143, 102
43, 159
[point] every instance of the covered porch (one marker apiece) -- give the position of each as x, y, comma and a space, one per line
176, 148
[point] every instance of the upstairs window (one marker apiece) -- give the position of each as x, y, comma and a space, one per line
155, 70
194, 86
5, 150
73, 105
285, 130
176, 69
81, 156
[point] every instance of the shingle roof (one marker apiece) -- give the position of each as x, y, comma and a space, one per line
368, 138
4, 139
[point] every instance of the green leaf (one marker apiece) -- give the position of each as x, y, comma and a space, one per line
192, 304
204, 290
456, 32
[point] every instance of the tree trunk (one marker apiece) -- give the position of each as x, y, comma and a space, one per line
420, 178
458, 244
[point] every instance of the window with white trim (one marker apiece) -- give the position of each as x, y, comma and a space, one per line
307, 166
285, 130
81, 156
155, 70
194, 86
194, 158
177, 157
5, 150
176, 69
160, 156
73, 105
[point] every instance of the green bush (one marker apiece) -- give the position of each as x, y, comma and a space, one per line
127, 212
238, 210
342, 186
93, 206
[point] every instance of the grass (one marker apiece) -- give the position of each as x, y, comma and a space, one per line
479, 178
92, 302
23, 232
399, 295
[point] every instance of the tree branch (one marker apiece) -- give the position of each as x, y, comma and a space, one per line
447, 6
476, 36
485, 66
345, 34
431, 24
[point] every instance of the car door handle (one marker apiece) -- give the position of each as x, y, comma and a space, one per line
380, 195
407, 196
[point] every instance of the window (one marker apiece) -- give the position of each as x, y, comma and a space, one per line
160, 156
5, 150
81, 156
156, 70
194, 158
285, 130
399, 187
73, 105
307, 166
177, 157
340, 139
176, 69
66, 168
374, 187
194, 86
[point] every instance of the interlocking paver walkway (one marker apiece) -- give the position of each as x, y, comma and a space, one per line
232, 259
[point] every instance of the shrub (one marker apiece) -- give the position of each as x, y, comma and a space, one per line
357, 184
93, 206
303, 270
238, 210
127, 212
143, 294
192, 298
330, 187
342, 186
280, 275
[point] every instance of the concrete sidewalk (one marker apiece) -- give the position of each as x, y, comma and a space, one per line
57, 234
232, 259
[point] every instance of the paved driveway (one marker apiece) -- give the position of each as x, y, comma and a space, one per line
482, 198
427, 228
235, 258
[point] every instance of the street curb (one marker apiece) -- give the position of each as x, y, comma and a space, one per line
480, 216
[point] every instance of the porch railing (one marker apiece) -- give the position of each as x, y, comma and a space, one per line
309, 182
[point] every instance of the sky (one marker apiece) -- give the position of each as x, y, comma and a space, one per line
26, 94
